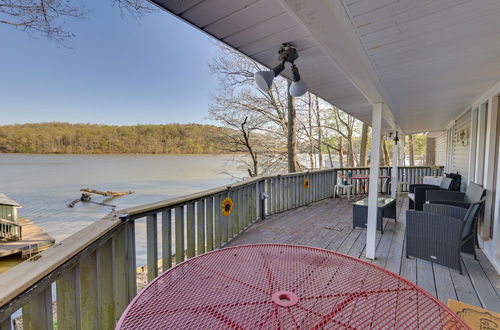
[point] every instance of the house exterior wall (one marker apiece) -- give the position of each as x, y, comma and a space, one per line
8, 212
478, 161
461, 147
441, 149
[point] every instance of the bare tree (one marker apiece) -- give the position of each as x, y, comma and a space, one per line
363, 145
411, 146
320, 131
238, 97
386, 157
430, 154
45, 17
345, 126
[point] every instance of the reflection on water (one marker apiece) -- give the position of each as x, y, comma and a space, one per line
9, 262
45, 184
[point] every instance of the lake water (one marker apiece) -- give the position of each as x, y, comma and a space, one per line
45, 184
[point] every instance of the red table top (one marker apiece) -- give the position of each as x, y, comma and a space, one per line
271, 286
362, 176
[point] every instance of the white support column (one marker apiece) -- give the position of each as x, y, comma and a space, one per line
489, 163
494, 249
480, 144
473, 146
371, 231
394, 171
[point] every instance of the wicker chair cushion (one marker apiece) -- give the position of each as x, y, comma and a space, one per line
445, 184
474, 193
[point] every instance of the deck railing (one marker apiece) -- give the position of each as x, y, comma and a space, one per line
10, 230
92, 274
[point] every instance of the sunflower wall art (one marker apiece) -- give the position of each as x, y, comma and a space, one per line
307, 184
227, 206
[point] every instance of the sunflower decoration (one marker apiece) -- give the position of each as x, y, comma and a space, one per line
307, 184
227, 206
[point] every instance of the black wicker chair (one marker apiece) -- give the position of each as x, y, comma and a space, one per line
472, 194
440, 232
417, 193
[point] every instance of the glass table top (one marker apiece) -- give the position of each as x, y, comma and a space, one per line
382, 201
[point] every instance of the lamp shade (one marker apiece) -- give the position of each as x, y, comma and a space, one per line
298, 88
264, 79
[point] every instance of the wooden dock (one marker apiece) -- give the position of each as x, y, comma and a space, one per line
34, 240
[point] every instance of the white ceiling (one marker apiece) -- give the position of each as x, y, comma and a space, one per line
427, 59
432, 56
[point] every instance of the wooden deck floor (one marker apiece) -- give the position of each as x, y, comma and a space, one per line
328, 224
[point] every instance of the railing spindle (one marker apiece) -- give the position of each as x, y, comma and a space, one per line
179, 234
210, 223
152, 246
190, 231
122, 291
68, 304
200, 226
105, 297
166, 239
87, 275
37, 313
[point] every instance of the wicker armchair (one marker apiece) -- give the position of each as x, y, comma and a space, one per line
417, 193
441, 232
473, 193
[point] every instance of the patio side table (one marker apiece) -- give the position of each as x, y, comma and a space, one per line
278, 286
386, 208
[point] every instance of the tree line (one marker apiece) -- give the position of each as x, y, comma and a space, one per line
68, 138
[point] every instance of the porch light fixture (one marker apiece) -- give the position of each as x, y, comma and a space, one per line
287, 53
396, 138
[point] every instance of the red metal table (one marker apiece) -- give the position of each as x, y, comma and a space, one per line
364, 178
277, 286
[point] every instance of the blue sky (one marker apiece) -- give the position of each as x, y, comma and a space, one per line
117, 71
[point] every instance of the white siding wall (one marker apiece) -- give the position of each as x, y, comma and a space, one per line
441, 149
461, 152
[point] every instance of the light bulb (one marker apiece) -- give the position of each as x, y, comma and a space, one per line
264, 79
298, 88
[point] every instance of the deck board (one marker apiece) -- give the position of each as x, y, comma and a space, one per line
328, 224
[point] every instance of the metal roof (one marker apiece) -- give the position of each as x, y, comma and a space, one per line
5, 200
